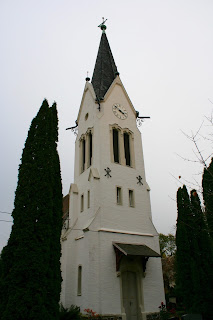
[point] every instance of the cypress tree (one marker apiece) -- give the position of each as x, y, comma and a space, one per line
207, 184
194, 256
202, 266
183, 253
196, 223
30, 267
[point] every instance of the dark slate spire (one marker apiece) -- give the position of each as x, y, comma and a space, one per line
105, 69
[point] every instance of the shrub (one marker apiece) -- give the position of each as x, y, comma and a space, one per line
72, 313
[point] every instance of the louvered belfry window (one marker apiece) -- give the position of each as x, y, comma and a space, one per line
116, 145
90, 149
127, 149
83, 154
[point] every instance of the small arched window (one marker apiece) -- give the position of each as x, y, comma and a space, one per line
82, 203
88, 199
79, 281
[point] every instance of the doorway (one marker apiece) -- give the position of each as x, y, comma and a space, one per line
130, 295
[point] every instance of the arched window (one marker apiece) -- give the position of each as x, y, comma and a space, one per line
116, 145
127, 148
122, 146
83, 154
86, 150
90, 148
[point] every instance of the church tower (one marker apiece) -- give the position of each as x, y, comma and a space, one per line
110, 248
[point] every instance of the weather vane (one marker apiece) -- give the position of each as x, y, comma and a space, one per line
102, 25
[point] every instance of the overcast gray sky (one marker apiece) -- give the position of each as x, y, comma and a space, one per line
163, 50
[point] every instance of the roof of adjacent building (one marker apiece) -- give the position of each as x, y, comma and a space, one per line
105, 70
136, 250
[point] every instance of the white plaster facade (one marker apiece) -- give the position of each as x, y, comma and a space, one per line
88, 239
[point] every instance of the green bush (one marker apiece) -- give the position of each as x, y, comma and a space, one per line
72, 313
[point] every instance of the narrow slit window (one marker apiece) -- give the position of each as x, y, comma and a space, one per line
90, 149
79, 280
116, 145
131, 198
118, 195
83, 154
88, 199
127, 148
82, 203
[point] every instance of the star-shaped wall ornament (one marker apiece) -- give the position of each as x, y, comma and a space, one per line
108, 170
139, 180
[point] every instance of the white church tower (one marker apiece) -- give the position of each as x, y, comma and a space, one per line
110, 248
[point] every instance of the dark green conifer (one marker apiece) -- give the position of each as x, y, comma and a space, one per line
202, 267
207, 184
30, 276
194, 256
183, 253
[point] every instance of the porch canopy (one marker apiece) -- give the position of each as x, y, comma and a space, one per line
128, 249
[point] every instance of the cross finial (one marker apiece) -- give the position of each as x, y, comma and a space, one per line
102, 25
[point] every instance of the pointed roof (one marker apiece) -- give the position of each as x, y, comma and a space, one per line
105, 70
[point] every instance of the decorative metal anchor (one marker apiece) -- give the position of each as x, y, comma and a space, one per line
108, 175
139, 180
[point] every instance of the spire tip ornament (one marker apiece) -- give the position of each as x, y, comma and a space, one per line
87, 78
102, 25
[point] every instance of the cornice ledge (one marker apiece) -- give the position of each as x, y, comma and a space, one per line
126, 232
